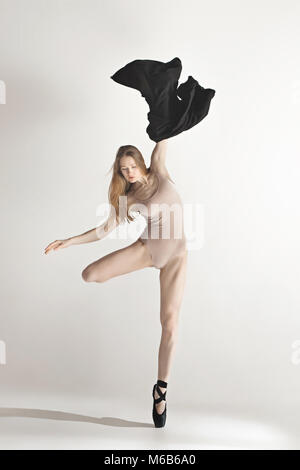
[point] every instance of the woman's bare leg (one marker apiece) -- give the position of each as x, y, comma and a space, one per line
125, 260
172, 284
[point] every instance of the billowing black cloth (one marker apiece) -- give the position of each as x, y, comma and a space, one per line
158, 82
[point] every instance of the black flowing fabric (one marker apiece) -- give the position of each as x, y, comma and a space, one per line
158, 83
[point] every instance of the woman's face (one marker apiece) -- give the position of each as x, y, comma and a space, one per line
129, 169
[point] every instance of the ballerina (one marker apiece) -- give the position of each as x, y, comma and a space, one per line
147, 190
152, 193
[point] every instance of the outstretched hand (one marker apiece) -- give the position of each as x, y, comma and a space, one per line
58, 244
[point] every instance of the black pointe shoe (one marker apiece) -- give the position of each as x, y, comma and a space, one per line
159, 419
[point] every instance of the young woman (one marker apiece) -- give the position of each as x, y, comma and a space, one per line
162, 245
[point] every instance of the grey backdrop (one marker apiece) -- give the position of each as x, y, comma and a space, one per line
61, 125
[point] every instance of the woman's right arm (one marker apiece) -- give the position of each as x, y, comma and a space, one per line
97, 233
86, 237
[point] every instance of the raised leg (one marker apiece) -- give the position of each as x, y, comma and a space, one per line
125, 260
172, 284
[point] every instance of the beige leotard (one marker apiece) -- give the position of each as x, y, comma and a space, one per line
160, 204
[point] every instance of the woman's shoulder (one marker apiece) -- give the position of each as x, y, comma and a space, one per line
155, 173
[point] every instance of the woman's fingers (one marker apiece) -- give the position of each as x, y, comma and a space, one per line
51, 246
58, 244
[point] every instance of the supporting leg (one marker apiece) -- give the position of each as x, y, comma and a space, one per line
172, 284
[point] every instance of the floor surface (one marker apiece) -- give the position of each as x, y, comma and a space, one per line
69, 423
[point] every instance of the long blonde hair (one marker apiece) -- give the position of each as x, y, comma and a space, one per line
119, 186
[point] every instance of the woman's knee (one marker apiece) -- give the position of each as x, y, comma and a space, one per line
86, 275
169, 321
89, 275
